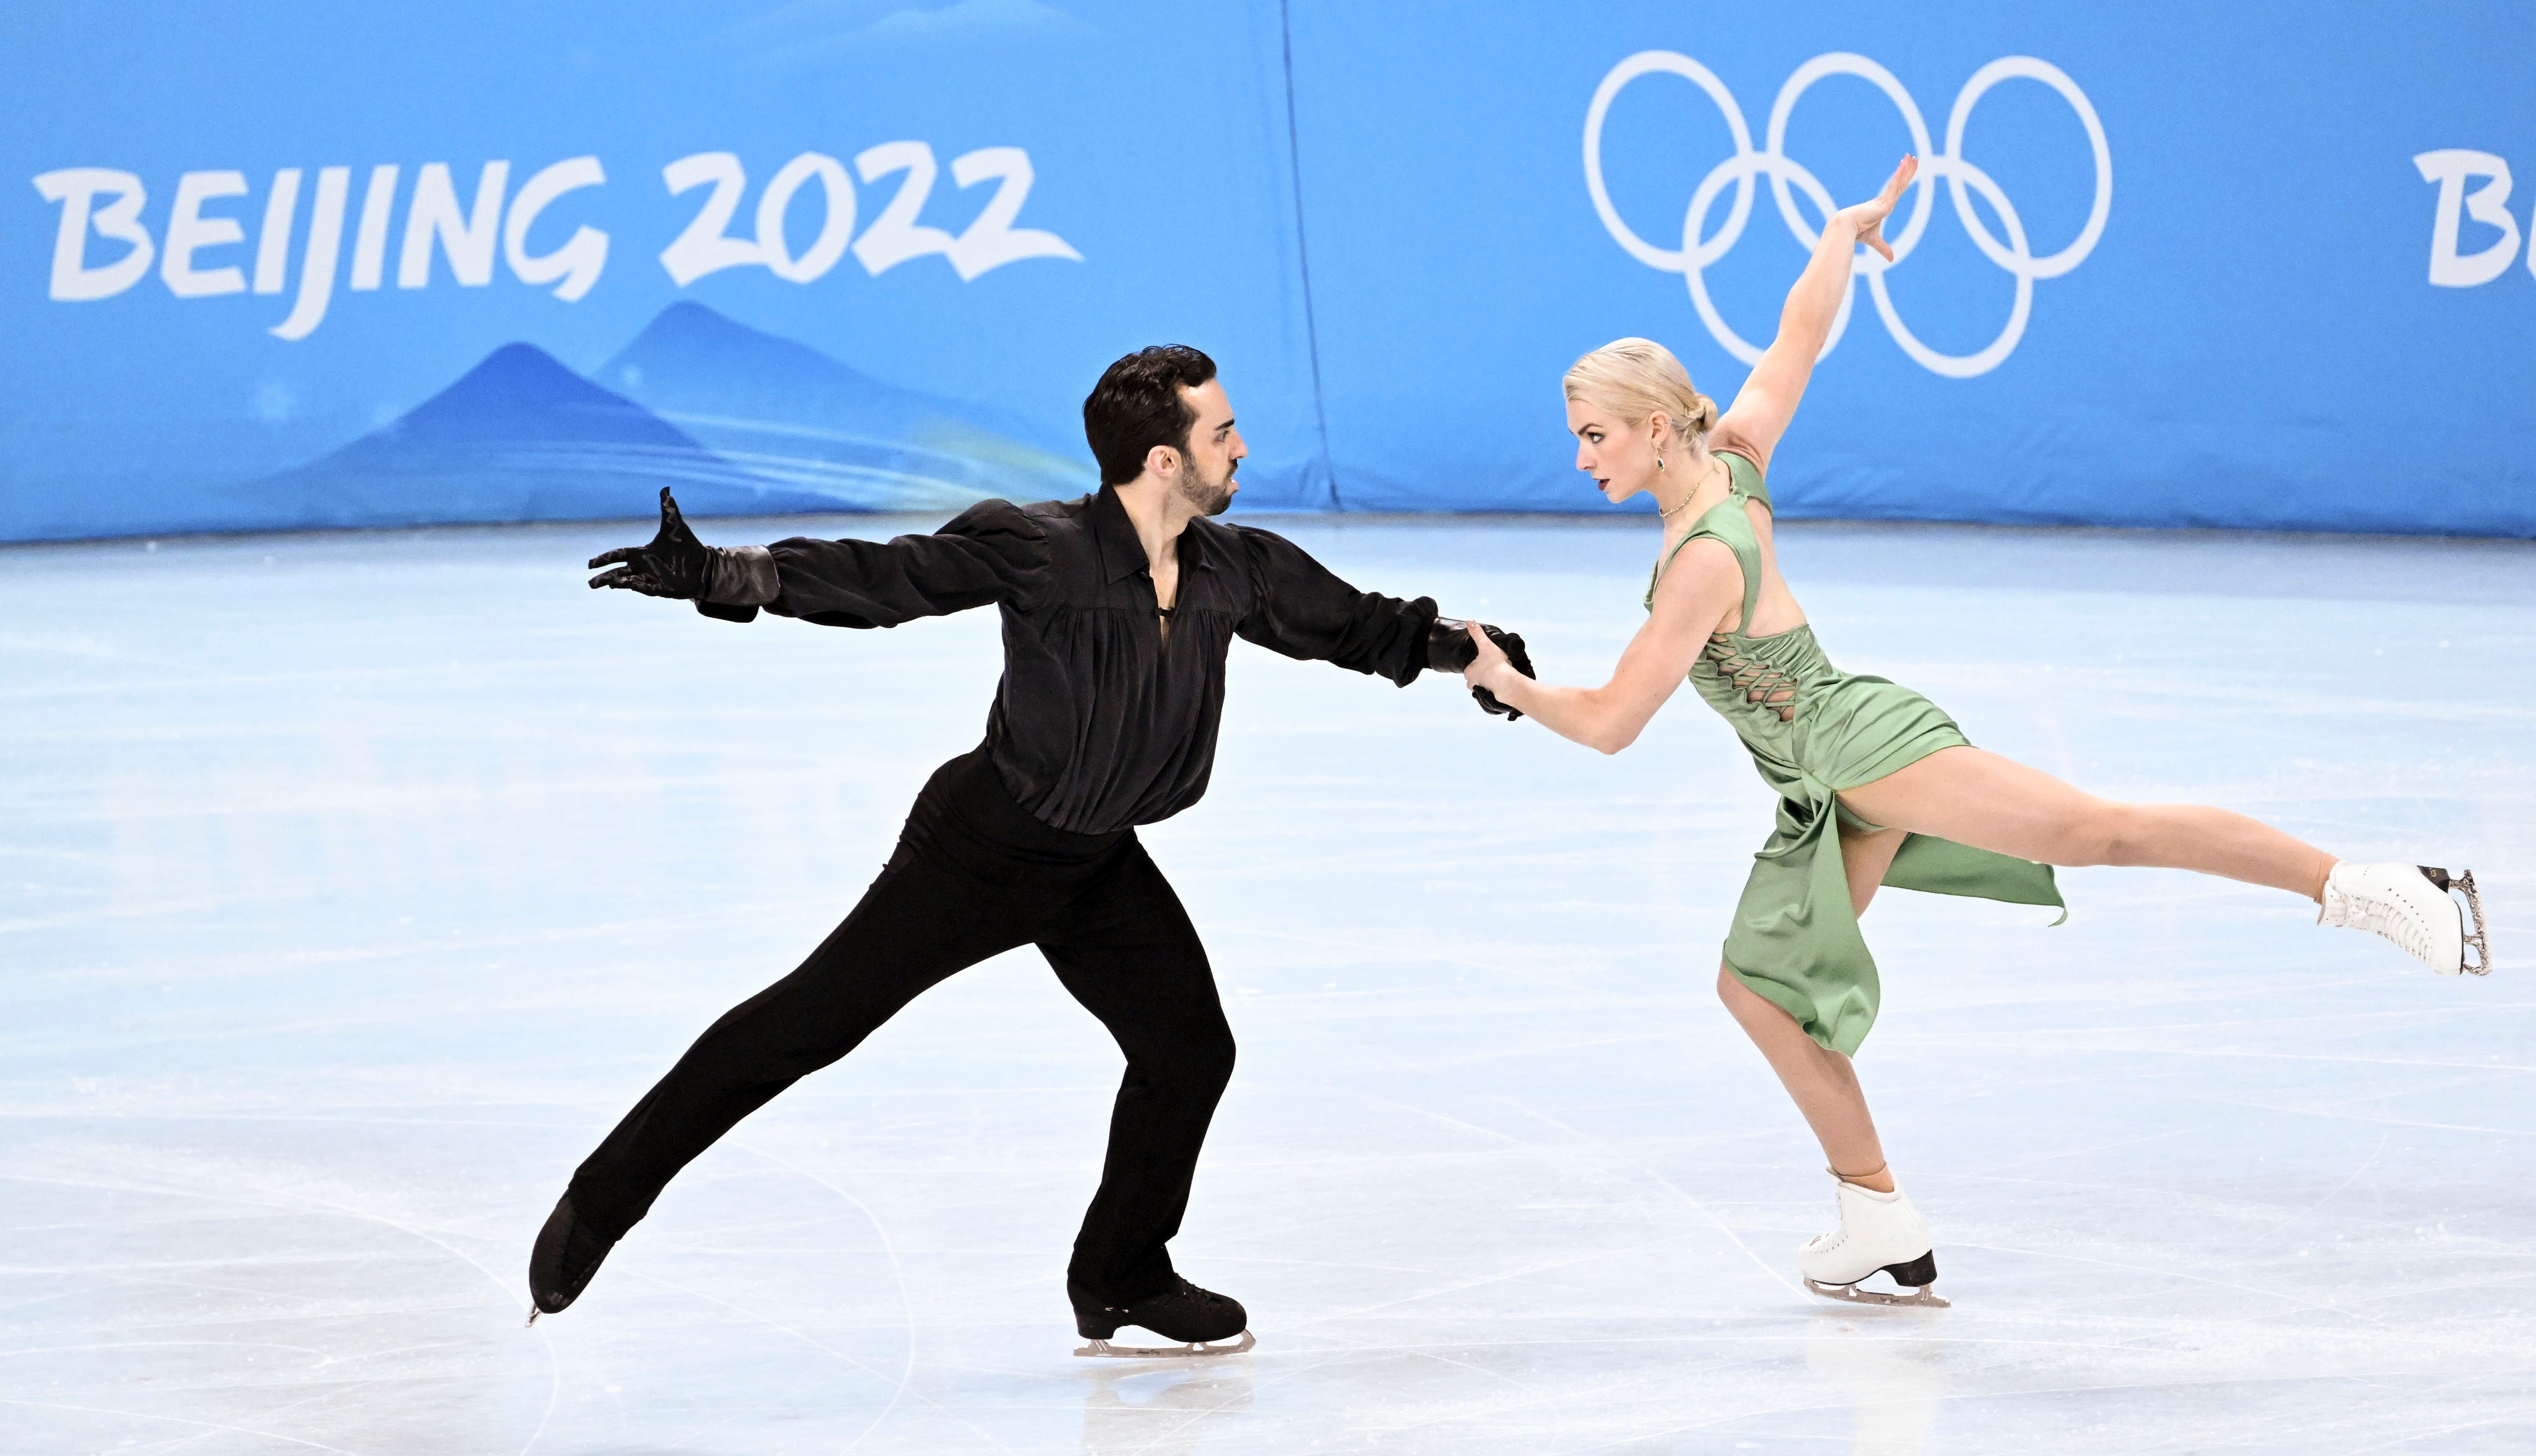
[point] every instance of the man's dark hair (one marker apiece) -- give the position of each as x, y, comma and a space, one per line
1137, 406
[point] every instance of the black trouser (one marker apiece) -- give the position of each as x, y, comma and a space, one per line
974, 875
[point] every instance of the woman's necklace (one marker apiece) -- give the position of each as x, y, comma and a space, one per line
1666, 515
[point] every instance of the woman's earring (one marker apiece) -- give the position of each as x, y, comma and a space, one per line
1659, 462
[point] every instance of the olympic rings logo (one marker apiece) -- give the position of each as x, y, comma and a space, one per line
1962, 179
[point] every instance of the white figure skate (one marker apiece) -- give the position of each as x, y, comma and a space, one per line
2410, 905
1879, 1233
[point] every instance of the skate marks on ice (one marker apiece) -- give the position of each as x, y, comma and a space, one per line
198, 1300
1894, 1387
1162, 1410
346, 905
245, 1300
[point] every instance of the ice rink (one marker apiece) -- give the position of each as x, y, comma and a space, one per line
355, 885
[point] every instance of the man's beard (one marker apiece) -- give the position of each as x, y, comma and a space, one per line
1207, 497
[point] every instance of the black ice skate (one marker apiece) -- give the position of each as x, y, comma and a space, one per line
1183, 1313
566, 1254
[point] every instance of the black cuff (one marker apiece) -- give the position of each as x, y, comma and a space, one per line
742, 576
1448, 646
1425, 607
726, 613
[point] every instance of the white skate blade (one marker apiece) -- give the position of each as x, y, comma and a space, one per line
1104, 1350
1923, 1297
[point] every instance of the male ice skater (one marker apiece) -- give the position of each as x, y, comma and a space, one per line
1117, 609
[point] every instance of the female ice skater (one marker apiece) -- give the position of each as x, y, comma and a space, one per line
1876, 786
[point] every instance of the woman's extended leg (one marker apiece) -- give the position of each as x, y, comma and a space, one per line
1978, 798
1821, 1081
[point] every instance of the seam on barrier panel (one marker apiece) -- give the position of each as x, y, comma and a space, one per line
1303, 255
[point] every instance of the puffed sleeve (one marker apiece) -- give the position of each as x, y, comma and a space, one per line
991, 552
1303, 610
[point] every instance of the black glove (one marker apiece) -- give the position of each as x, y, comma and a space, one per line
676, 564
1449, 649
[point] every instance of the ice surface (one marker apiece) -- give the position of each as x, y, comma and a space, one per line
351, 886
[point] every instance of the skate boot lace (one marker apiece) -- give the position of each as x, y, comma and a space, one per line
2391, 918
1196, 1296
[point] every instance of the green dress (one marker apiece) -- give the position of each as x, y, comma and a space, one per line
1813, 730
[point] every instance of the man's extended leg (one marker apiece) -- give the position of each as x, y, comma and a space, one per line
1128, 953
916, 926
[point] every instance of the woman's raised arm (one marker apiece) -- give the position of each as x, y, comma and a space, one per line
1768, 400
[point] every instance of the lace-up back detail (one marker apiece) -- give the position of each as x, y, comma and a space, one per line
1760, 682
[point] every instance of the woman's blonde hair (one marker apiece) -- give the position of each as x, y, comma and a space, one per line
1638, 379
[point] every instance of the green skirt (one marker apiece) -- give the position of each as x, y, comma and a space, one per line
1796, 940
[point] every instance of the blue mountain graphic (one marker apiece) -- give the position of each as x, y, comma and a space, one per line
797, 417
520, 437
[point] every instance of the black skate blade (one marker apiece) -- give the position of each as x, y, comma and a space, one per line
1195, 1349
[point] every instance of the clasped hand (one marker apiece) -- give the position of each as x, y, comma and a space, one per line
1498, 657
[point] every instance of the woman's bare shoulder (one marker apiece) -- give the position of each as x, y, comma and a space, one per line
1702, 569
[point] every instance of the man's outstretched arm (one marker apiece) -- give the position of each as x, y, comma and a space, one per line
1306, 611
991, 552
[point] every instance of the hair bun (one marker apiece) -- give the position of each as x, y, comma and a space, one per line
1638, 379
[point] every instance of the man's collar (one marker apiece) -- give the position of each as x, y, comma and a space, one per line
1122, 552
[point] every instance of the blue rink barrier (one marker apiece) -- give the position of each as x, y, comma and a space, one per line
345, 266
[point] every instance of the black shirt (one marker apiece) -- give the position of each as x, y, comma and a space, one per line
1103, 720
